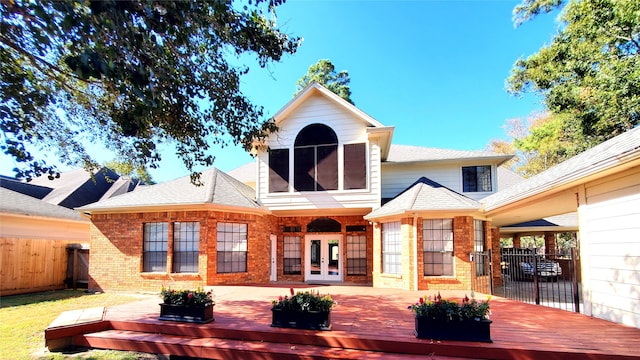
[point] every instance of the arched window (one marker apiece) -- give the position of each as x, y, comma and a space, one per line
315, 159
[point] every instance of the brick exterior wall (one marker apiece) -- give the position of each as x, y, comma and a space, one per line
117, 244
116, 251
302, 222
463, 244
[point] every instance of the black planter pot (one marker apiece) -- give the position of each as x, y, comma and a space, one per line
314, 320
467, 330
194, 314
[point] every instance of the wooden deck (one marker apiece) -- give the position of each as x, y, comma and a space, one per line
367, 323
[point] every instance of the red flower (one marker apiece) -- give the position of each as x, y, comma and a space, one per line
190, 295
421, 301
466, 299
280, 298
292, 293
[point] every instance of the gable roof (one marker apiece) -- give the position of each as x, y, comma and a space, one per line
73, 188
609, 154
408, 154
217, 188
374, 127
425, 195
13, 202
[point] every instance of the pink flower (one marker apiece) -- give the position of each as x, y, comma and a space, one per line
190, 295
280, 298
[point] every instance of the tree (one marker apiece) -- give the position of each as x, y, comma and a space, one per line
323, 72
130, 75
589, 76
125, 168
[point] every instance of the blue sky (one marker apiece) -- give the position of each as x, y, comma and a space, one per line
435, 70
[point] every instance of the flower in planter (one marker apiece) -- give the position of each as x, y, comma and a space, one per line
449, 310
308, 301
186, 297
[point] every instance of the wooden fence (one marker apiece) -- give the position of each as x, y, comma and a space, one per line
30, 265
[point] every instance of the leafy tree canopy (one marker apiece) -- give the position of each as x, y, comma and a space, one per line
589, 76
130, 75
126, 168
323, 72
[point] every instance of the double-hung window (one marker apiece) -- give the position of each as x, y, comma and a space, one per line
478, 241
154, 247
476, 178
391, 248
186, 241
232, 248
437, 246
357, 254
292, 255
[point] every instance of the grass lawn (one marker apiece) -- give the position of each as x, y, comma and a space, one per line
23, 319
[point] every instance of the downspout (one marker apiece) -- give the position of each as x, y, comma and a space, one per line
415, 251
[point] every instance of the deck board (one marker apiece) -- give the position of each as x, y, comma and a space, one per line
371, 319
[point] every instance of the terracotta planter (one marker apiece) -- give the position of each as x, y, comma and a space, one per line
314, 320
195, 314
467, 330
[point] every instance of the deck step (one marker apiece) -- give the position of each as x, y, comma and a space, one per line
214, 348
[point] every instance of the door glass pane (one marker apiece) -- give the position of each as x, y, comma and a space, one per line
334, 256
314, 251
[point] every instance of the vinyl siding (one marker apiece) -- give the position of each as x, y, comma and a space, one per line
349, 129
397, 177
612, 254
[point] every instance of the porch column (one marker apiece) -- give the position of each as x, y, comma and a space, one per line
550, 242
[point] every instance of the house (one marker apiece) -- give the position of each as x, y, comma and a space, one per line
73, 188
334, 202
38, 227
34, 236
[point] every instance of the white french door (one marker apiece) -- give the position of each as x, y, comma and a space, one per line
323, 260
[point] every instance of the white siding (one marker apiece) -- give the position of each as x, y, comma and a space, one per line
610, 227
397, 177
349, 129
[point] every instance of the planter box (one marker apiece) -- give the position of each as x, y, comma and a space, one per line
301, 320
194, 314
468, 330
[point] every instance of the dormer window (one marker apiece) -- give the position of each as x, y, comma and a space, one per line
315, 159
476, 178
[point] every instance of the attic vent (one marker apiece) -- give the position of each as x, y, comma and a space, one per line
324, 225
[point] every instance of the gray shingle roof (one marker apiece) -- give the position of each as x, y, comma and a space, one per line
16, 203
425, 195
407, 153
599, 158
218, 188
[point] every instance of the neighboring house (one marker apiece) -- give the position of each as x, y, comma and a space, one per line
37, 224
315, 214
73, 188
603, 185
34, 236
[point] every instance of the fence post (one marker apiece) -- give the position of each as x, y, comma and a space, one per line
574, 265
490, 272
536, 287
75, 268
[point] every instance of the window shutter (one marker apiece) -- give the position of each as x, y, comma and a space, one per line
278, 170
355, 166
